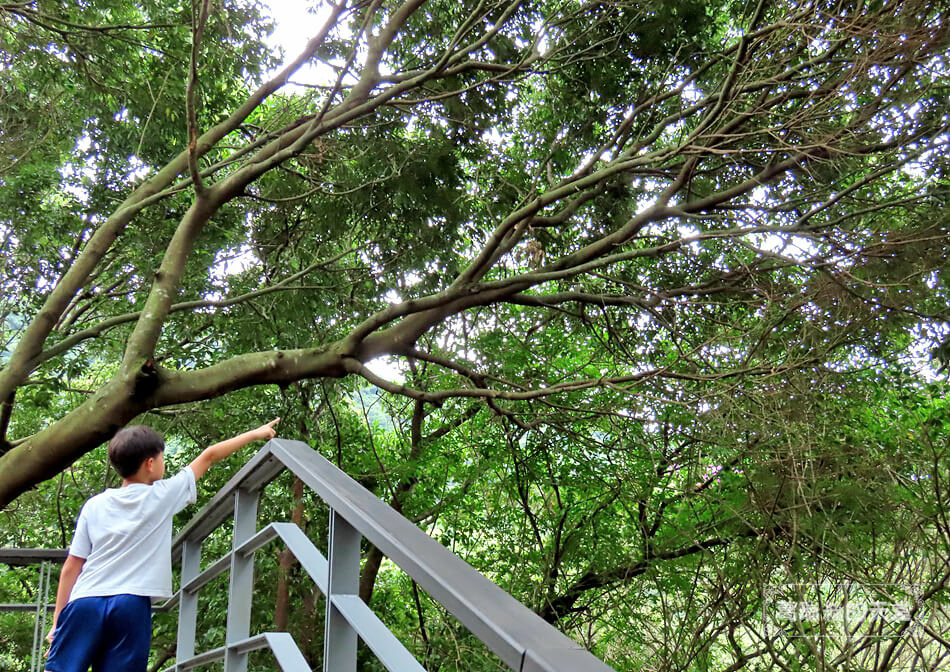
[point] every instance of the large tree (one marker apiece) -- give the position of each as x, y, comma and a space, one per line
654, 276
560, 210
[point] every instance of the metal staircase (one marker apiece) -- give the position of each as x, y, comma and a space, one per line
518, 636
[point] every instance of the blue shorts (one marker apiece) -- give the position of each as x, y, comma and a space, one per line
113, 634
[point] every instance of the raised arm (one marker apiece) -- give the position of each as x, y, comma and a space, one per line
221, 450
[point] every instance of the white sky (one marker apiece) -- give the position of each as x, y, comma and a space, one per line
295, 25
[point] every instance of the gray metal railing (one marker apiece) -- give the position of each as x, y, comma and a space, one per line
518, 636
45, 558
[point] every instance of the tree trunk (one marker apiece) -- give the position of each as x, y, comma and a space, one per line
285, 562
370, 570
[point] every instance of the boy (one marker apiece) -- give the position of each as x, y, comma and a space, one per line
120, 558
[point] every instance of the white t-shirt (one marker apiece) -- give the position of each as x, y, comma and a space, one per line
125, 535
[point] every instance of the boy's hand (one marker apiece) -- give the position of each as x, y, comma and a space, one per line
49, 638
265, 432
221, 450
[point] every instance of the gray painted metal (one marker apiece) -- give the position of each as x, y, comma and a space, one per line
22, 557
207, 575
260, 539
39, 625
242, 579
306, 553
208, 656
251, 643
49, 572
286, 652
253, 476
281, 644
168, 605
339, 648
303, 549
574, 659
506, 626
367, 625
188, 600
45, 558
375, 634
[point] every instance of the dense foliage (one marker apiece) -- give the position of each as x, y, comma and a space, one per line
656, 284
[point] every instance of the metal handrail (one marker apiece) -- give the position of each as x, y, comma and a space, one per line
45, 558
281, 644
518, 636
23, 557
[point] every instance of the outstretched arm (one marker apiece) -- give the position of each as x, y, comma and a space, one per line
221, 450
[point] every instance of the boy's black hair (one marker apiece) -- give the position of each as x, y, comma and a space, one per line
131, 446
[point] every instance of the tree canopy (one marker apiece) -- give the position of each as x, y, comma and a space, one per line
655, 282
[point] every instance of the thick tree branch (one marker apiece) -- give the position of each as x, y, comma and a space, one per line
352, 365
97, 330
141, 344
191, 113
35, 335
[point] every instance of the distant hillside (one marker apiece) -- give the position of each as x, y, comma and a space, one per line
370, 398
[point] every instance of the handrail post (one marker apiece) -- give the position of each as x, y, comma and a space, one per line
188, 602
39, 626
339, 649
242, 579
